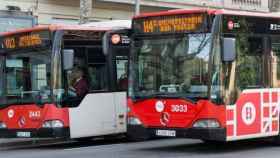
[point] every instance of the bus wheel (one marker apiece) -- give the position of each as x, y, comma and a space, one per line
276, 140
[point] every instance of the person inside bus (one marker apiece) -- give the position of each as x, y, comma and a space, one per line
80, 84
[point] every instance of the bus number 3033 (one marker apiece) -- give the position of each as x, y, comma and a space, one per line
179, 108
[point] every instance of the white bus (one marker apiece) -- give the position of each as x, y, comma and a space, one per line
64, 81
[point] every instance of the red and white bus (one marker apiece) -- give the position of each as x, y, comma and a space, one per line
41, 68
212, 75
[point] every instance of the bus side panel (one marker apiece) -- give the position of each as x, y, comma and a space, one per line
121, 111
255, 115
95, 116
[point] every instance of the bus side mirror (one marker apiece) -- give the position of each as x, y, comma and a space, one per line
229, 49
68, 59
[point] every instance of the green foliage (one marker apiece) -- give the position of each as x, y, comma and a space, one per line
247, 63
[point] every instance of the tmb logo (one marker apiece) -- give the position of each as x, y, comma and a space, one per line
248, 113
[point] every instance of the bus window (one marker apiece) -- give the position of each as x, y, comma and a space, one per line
249, 68
28, 75
173, 65
246, 72
122, 66
97, 76
275, 47
97, 70
77, 76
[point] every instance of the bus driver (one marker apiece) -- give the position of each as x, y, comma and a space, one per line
80, 84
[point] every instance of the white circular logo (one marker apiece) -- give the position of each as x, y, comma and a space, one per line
230, 25
248, 113
11, 113
159, 106
116, 39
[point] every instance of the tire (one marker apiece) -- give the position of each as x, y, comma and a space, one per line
276, 140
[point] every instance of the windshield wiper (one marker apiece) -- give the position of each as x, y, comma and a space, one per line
163, 95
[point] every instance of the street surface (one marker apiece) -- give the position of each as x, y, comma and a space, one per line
164, 148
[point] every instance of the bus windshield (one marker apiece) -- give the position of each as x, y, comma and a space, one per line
175, 66
26, 77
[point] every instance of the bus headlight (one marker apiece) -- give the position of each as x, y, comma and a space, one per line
53, 124
206, 123
3, 125
134, 121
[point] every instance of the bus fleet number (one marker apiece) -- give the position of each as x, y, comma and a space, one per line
179, 108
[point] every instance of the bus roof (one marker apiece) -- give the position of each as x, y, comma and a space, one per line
112, 24
97, 28
210, 12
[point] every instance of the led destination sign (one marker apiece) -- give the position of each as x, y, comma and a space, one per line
24, 41
34, 39
169, 24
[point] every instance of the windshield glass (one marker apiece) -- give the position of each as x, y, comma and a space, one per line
174, 66
26, 76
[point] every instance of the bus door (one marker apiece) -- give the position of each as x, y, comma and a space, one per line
119, 53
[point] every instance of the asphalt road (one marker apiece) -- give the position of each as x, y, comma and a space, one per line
164, 148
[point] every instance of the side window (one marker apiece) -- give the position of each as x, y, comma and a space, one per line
275, 62
98, 79
247, 71
122, 69
97, 70
250, 63
77, 77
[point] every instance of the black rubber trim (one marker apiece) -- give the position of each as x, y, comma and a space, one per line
138, 133
37, 133
217, 134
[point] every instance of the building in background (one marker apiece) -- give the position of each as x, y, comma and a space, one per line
13, 18
252, 5
274, 5
67, 11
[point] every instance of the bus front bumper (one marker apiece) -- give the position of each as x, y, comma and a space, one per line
35, 133
215, 134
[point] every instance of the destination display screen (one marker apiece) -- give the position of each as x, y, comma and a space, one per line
243, 24
171, 24
26, 40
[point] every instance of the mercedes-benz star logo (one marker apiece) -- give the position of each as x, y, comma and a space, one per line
21, 122
164, 118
